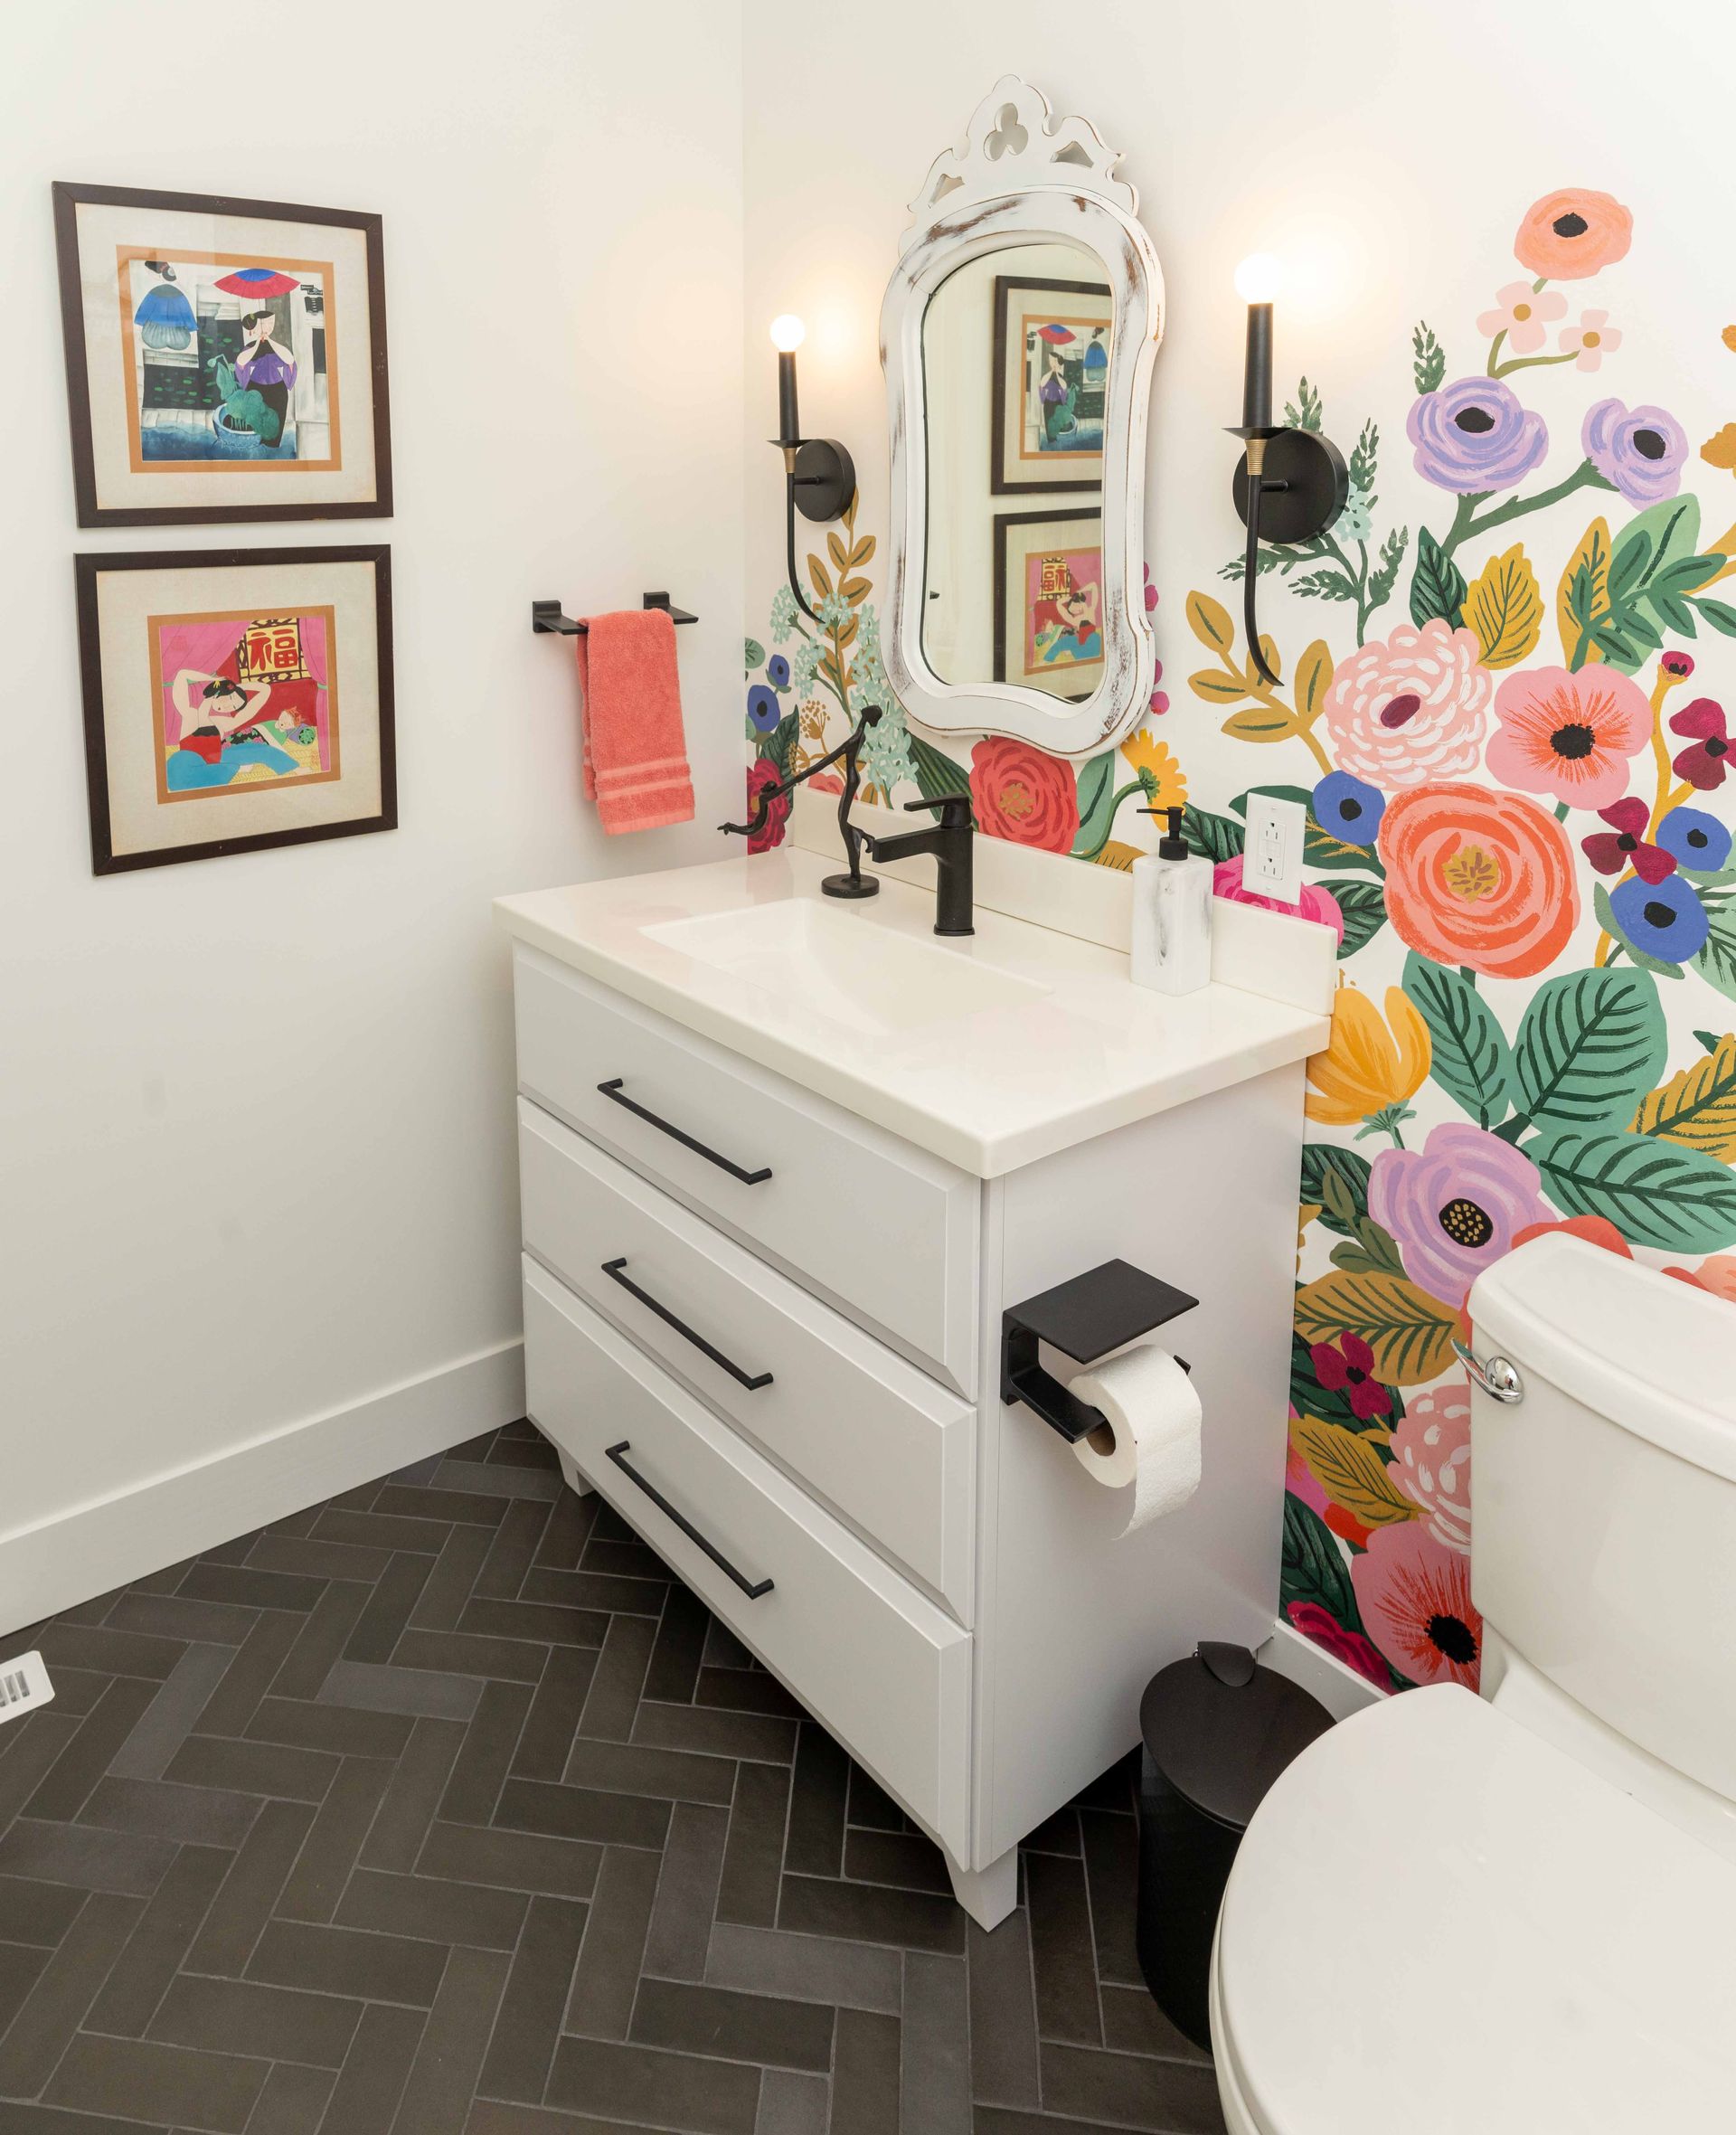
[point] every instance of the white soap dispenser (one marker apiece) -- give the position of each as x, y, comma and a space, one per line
1172, 913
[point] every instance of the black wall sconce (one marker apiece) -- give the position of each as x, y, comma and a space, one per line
1290, 484
819, 475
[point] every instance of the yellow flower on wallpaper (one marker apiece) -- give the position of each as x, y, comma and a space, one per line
1164, 779
1368, 1069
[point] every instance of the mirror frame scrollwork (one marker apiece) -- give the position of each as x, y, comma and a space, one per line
1022, 178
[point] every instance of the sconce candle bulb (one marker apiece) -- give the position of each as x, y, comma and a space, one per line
787, 334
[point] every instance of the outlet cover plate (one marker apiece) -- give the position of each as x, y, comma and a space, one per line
1272, 865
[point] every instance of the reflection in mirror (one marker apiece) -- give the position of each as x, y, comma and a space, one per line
1016, 360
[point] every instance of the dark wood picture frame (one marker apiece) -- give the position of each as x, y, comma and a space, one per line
90, 568
999, 485
68, 198
1004, 523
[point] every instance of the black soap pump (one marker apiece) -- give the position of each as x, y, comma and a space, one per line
1172, 913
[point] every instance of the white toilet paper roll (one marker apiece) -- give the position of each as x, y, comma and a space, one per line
1150, 1443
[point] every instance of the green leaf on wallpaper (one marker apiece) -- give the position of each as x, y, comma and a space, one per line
1312, 1567
1326, 1167
935, 773
755, 653
781, 739
1437, 584
1364, 905
1720, 614
1096, 804
1471, 1061
1589, 1045
1216, 836
1386, 576
1654, 566
1365, 461
1431, 358
1308, 413
1656, 1192
1716, 961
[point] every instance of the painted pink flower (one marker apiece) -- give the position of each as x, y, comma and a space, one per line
1706, 762
1415, 1598
1521, 313
1316, 903
1411, 707
1718, 1274
1591, 340
1347, 1367
1624, 845
1325, 1629
1432, 1459
1569, 735
1454, 1205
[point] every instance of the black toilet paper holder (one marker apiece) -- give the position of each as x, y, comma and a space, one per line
1103, 1309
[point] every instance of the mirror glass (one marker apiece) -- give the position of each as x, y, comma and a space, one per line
1017, 350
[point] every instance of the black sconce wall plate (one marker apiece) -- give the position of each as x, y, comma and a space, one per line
825, 479
1305, 484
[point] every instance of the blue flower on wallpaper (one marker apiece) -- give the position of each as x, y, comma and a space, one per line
777, 671
764, 711
1694, 838
1350, 809
1663, 919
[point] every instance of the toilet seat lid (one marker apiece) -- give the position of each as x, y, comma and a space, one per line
1437, 1922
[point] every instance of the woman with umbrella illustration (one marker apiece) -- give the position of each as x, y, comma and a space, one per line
1057, 393
264, 366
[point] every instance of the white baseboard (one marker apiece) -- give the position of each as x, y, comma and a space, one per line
105, 1543
1339, 1688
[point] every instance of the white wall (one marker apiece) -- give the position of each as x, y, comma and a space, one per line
255, 1152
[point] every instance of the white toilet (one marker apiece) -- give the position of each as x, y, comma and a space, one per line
1516, 1915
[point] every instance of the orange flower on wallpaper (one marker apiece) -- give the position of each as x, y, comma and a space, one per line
1480, 878
1720, 450
1572, 234
1729, 337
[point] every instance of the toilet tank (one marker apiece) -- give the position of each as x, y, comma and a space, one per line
1604, 1500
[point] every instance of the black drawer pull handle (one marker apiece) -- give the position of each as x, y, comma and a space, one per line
613, 1091
752, 1588
753, 1381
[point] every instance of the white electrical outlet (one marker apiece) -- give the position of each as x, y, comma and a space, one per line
24, 1686
1272, 861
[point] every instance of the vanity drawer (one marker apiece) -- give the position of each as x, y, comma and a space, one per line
887, 1671
884, 1445
885, 1230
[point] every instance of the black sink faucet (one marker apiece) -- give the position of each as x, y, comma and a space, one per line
952, 842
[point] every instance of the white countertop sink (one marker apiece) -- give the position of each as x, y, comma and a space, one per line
991, 1050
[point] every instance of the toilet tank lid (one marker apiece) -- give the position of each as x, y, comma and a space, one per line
1654, 1355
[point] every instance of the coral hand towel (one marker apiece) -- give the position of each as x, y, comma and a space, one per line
634, 746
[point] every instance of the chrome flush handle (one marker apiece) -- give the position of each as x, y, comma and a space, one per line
1497, 1378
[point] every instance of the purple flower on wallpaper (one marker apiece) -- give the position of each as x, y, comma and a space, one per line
1639, 450
1453, 1205
1473, 436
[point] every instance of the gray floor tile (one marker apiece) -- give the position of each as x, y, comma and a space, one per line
814, 1968
214, 2091
606, 1979
793, 2104
681, 1920
934, 2072
647, 2087
169, 1718
734, 2026
528, 2023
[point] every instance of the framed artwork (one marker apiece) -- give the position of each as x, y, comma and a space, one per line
1050, 387
1049, 602
225, 359
235, 700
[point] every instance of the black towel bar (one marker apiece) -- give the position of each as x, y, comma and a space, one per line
545, 615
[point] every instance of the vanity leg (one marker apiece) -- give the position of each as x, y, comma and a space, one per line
987, 1895
574, 1482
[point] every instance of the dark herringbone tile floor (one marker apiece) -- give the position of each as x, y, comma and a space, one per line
441, 1809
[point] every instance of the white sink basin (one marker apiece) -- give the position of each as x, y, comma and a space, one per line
838, 963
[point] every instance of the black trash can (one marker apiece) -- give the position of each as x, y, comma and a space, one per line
1218, 1730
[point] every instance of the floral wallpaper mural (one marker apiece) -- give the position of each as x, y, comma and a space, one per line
1510, 736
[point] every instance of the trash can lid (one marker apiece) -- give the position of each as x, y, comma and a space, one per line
1220, 1729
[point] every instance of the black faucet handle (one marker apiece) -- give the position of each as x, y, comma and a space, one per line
955, 809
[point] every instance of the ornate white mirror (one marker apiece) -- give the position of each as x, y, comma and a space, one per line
1018, 334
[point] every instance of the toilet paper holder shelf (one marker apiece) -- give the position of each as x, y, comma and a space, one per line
1085, 1317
